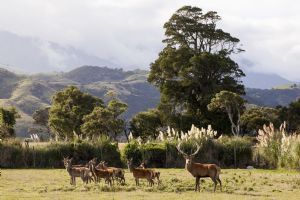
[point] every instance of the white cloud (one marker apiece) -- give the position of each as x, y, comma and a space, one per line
129, 32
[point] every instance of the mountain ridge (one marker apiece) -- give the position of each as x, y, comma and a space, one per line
30, 92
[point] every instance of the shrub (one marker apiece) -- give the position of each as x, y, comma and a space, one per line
132, 150
243, 147
51, 155
165, 154
154, 154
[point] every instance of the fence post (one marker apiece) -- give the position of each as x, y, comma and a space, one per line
33, 156
234, 152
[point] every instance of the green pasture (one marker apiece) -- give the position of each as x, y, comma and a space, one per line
176, 184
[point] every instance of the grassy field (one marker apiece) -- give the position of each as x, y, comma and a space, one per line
176, 184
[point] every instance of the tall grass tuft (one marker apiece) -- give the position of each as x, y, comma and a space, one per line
277, 148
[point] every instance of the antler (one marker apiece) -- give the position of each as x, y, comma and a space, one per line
198, 149
193, 154
180, 151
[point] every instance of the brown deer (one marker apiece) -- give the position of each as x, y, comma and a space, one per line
101, 173
199, 170
155, 174
82, 172
119, 173
139, 173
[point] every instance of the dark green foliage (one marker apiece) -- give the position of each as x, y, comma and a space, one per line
233, 104
291, 114
220, 152
97, 122
105, 120
40, 124
7, 122
68, 108
244, 151
50, 156
193, 66
132, 150
41, 116
254, 119
154, 154
146, 124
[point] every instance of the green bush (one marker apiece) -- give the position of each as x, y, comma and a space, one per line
165, 154
154, 154
51, 155
242, 146
132, 150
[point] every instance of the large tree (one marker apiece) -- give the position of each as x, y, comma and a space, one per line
145, 124
105, 120
7, 121
291, 114
232, 104
40, 124
194, 65
253, 119
68, 108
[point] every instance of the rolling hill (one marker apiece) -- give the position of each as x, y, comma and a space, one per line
31, 92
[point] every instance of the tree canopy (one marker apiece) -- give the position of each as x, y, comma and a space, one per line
7, 121
40, 124
68, 108
291, 114
233, 104
194, 65
145, 124
254, 118
105, 120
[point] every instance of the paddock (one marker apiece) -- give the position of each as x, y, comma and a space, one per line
176, 184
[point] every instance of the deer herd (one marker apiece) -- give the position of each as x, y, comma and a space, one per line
93, 172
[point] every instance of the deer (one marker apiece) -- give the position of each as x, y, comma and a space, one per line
82, 172
199, 170
139, 173
101, 173
154, 175
119, 173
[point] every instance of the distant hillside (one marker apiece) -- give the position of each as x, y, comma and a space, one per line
90, 74
272, 97
31, 92
263, 81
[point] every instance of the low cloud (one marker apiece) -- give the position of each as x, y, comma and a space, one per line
129, 32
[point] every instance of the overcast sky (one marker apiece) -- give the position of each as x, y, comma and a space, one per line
129, 32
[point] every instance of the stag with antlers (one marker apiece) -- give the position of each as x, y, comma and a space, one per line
199, 170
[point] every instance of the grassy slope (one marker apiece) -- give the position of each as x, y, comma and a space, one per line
176, 184
29, 93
